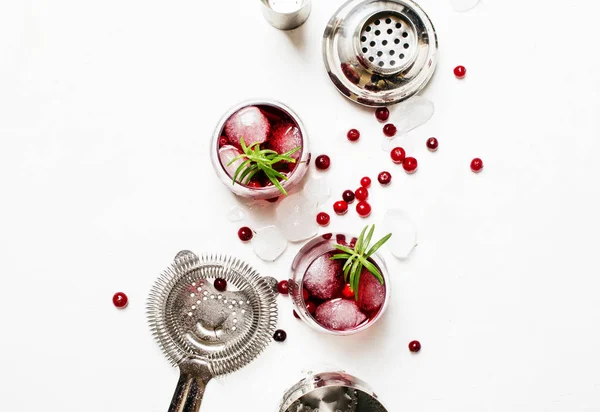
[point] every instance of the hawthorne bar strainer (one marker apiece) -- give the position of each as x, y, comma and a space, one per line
207, 332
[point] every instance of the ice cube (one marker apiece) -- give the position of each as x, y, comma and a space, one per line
339, 314
317, 190
411, 114
324, 278
404, 232
268, 243
285, 136
249, 123
226, 154
371, 293
235, 214
463, 5
295, 216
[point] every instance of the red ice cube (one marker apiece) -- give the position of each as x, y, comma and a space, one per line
339, 314
285, 136
324, 279
371, 293
249, 123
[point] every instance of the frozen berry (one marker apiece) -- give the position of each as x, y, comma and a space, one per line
365, 182
363, 209
384, 178
254, 184
279, 335
410, 165
223, 140
414, 346
432, 144
389, 130
311, 307
340, 207
347, 292
220, 284
120, 300
322, 162
353, 135
283, 287
476, 165
322, 219
348, 196
245, 234
460, 72
361, 194
296, 315
382, 114
397, 154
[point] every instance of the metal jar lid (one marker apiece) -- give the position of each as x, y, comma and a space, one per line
380, 52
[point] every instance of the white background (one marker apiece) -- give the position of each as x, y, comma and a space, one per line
106, 112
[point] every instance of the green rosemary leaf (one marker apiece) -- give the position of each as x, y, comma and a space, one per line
367, 240
268, 152
354, 275
235, 159
354, 285
246, 172
378, 244
359, 242
272, 175
239, 170
243, 144
291, 152
372, 268
344, 248
340, 256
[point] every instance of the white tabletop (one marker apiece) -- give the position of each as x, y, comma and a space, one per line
106, 111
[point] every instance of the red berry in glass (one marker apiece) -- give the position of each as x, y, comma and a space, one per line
223, 141
389, 130
245, 234
348, 196
283, 287
120, 300
397, 154
460, 72
340, 207
414, 346
220, 284
311, 307
279, 335
361, 194
322, 219
382, 114
254, 184
476, 165
432, 144
384, 178
322, 162
347, 292
273, 200
365, 182
363, 209
353, 135
410, 165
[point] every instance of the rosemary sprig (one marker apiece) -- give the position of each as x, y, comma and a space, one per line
358, 258
256, 160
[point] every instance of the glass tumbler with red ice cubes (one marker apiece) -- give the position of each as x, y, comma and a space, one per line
319, 292
273, 126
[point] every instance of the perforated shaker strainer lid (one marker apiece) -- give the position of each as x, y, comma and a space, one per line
380, 52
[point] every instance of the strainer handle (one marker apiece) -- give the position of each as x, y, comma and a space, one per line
191, 386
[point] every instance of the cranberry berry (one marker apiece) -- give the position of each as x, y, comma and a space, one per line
348, 196
311, 307
353, 135
397, 154
410, 165
245, 234
365, 182
305, 294
223, 141
361, 194
220, 284
120, 300
322, 219
432, 144
347, 292
340, 207
279, 335
414, 346
322, 162
255, 184
363, 209
476, 165
283, 287
460, 72
389, 130
382, 114
384, 178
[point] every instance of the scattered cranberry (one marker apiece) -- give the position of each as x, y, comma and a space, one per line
361, 194
120, 300
327, 236
273, 200
305, 294
389, 130
311, 307
476, 165
363, 209
353, 135
322, 162
365, 182
340, 207
347, 292
410, 165
245, 234
384, 178
414, 346
279, 335
382, 114
352, 243
283, 287
223, 141
254, 184
397, 154
340, 239
460, 72
322, 219
432, 144
220, 284
348, 196
296, 315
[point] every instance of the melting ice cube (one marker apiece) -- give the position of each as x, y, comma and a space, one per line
404, 232
235, 214
324, 278
339, 314
226, 154
269, 243
463, 5
249, 123
295, 216
317, 190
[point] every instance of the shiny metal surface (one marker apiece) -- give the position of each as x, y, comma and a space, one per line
286, 14
380, 52
205, 332
331, 392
